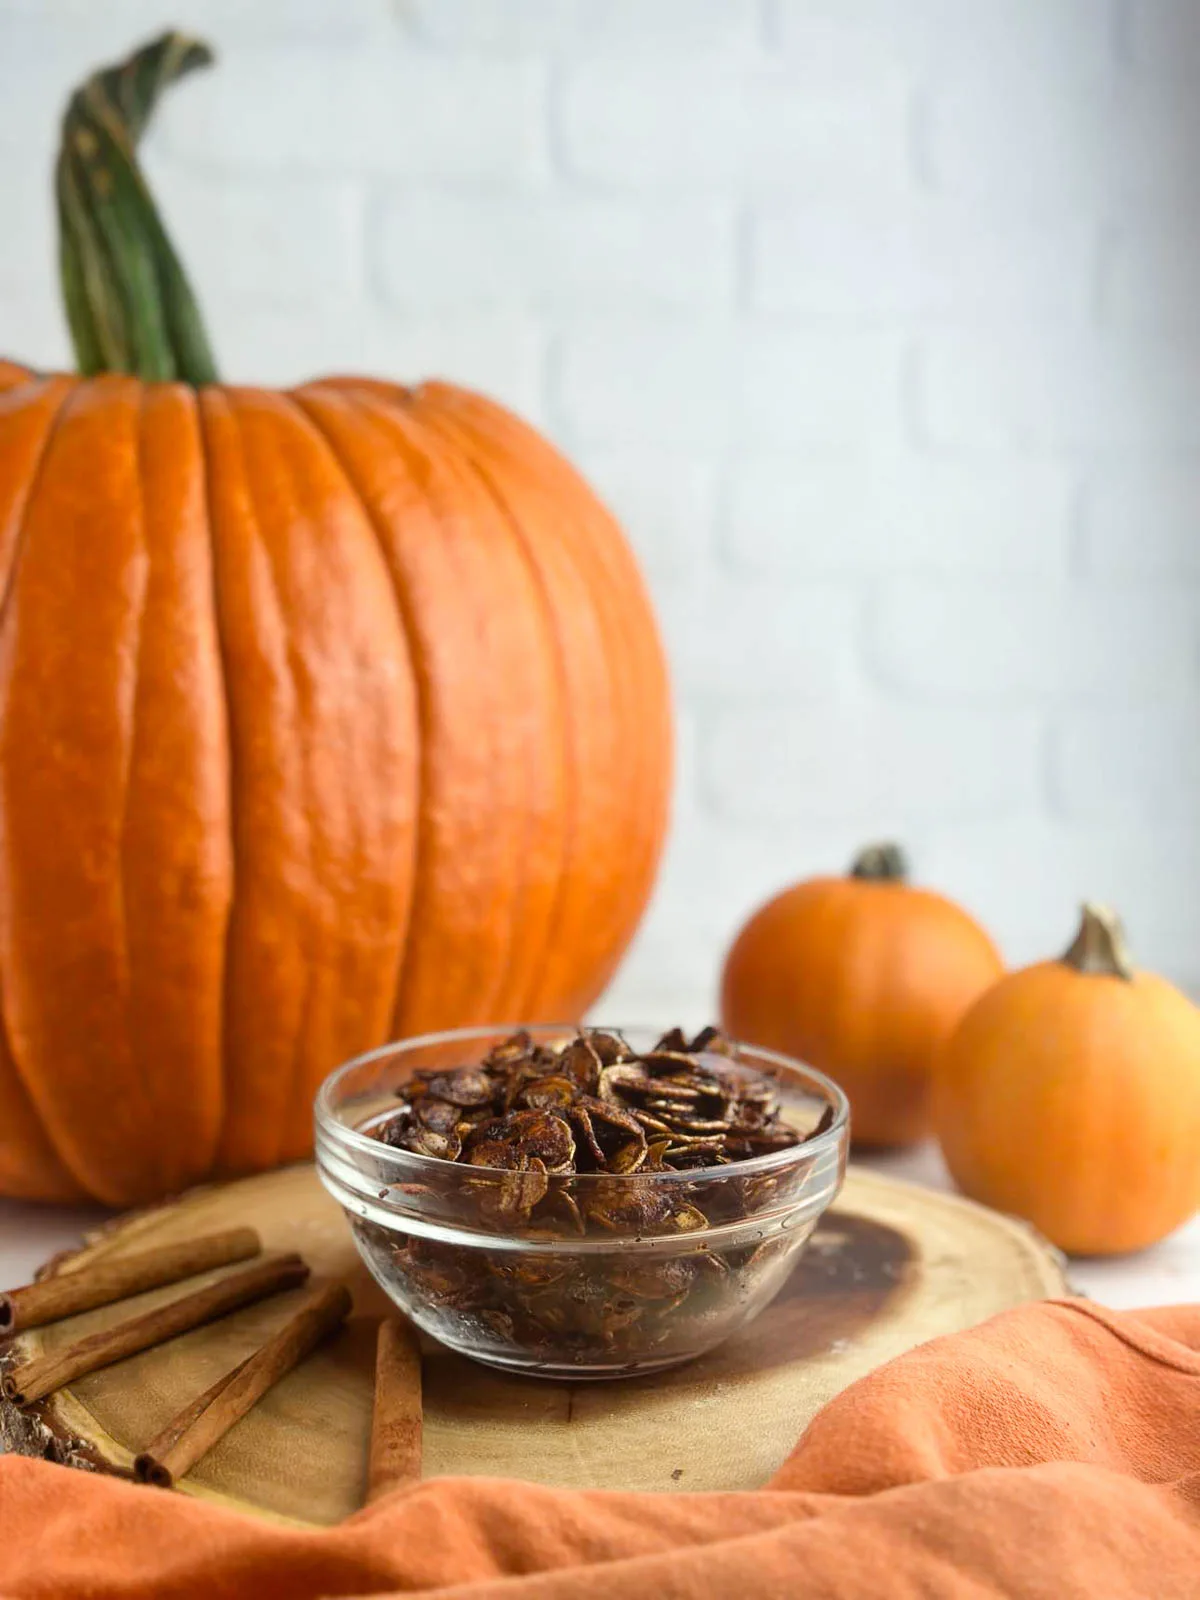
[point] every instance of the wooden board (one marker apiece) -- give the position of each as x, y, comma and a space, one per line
890, 1266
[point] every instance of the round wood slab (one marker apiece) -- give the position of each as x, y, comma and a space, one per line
890, 1266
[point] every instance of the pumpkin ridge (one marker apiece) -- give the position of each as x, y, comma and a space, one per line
384, 406
323, 689
54, 421
205, 419
605, 567
404, 613
571, 786
294, 1077
222, 664
626, 762
176, 852
66, 998
634, 655
13, 375
522, 1005
119, 887
25, 1130
231, 1062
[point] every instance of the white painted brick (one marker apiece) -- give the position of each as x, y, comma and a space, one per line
860, 513
1027, 642
678, 124
1000, 141
723, 871
47, 51
37, 74
499, 356
933, 259
750, 641
687, 384
665, 978
665, 500
717, 26
1164, 36
673, 965
28, 256
1150, 275
1138, 765
118, 24
949, 38
686, 799
1139, 521
33, 330
1026, 879
673, 969
880, 765
285, 241
391, 111
554, 251
715, 874
1023, 878
1060, 392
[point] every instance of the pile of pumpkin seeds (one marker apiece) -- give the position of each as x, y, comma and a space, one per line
567, 1139
592, 1104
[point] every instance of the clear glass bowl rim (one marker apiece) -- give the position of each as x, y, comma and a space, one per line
362, 1144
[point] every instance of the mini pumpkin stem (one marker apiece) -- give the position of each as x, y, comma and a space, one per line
129, 305
881, 863
1099, 946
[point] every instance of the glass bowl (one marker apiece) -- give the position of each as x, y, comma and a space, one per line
606, 1276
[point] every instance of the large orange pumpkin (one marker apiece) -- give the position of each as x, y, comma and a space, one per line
862, 976
1070, 1094
325, 716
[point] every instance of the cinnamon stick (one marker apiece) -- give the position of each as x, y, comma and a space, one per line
105, 1281
197, 1428
395, 1456
34, 1379
143, 1464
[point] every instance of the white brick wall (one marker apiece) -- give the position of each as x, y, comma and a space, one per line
550, 252
877, 321
732, 124
727, 385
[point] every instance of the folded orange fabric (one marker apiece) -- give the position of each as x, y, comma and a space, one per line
1052, 1452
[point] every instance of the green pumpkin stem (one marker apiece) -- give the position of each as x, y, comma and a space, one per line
129, 305
881, 863
1099, 946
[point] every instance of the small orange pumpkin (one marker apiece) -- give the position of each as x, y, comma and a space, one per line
1070, 1095
863, 977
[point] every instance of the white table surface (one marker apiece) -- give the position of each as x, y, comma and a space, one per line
1167, 1274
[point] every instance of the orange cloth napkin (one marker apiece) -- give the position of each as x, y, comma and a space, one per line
1052, 1452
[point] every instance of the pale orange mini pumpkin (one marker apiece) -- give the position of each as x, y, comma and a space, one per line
1070, 1095
863, 977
